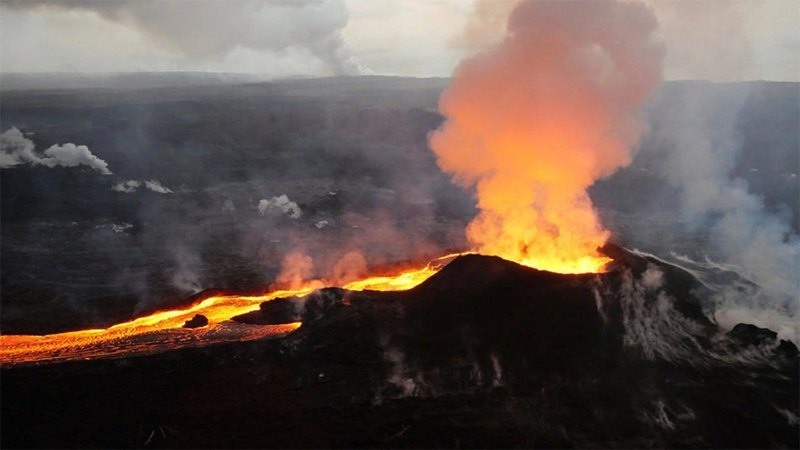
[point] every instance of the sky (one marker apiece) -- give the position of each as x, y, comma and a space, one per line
721, 40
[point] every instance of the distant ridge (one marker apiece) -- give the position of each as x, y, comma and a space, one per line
144, 80
136, 80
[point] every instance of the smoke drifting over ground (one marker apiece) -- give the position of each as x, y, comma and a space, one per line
16, 149
535, 120
702, 142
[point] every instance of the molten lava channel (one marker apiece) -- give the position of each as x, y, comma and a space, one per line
164, 330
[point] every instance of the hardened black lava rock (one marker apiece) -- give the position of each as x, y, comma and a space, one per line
484, 354
197, 321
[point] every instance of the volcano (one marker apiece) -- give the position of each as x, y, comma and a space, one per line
484, 353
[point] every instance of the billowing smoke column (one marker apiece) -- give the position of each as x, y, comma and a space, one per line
535, 120
701, 142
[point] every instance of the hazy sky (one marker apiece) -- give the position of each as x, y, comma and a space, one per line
705, 39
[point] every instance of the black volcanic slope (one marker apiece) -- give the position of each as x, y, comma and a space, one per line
486, 353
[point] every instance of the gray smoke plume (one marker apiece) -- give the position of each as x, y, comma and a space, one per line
187, 265
213, 29
701, 143
16, 149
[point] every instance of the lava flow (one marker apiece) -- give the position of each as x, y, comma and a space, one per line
531, 123
163, 330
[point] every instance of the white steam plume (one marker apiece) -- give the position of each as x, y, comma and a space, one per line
701, 145
128, 187
156, 186
16, 149
187, 265
281, 204
131, 186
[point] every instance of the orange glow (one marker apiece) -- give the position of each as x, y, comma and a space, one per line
163, 330
401, 281
533, 121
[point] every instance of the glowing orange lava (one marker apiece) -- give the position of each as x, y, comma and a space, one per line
163, 330
533, 121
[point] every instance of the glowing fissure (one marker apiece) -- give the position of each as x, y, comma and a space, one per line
163, 330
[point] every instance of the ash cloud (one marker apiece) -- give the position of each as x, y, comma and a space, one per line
16, 149
217, 29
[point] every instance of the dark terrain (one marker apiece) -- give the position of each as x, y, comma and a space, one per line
353, 154
486, 353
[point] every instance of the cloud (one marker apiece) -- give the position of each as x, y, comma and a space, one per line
281, 204
485, 25
156, 186
720, 40
200, 33
16, 149
406, 38
71, 155
128, 187
131, 186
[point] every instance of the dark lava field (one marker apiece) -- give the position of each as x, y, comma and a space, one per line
484, 354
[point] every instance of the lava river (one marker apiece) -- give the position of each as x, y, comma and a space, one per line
164, 330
